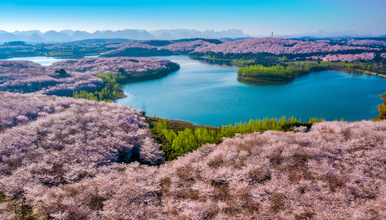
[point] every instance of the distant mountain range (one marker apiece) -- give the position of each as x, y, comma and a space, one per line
333, 34
36, 36
71, 35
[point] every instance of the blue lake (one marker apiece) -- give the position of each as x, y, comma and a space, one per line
211, 95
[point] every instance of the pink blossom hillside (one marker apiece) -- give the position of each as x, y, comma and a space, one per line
57, 141
22, 108
334, 171
275, 46
80, 74
172, 47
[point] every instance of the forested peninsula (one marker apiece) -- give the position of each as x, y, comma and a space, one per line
289, 70
94, 78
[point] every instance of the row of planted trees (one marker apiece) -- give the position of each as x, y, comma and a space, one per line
174, 143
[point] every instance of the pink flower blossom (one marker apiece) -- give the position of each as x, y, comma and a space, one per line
349, 57
334, 171
27, 77
275, 46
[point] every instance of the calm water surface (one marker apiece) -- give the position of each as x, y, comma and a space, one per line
44, 61
208, 94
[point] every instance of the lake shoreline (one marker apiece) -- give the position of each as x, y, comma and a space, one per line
121, 94
111, 91
138, 96
159, 75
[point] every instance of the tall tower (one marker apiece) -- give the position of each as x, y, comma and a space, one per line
272, 34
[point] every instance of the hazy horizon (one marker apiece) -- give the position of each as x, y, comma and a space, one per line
268, 34
254, 18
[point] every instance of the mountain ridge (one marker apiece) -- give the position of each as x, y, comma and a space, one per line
52, 36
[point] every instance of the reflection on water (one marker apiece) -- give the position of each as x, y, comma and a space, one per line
262, 82
221, 63
44, 61
278, 83
357, 74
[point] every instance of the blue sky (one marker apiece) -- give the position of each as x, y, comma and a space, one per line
258, 17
